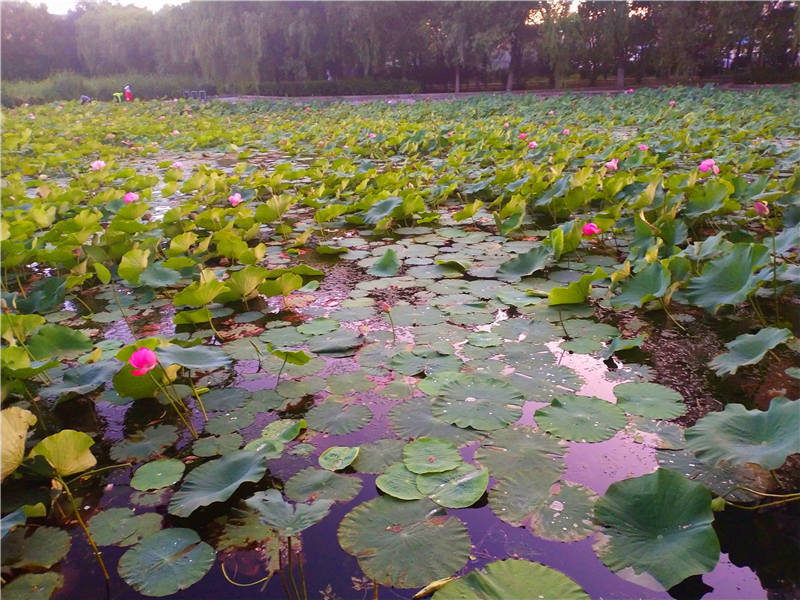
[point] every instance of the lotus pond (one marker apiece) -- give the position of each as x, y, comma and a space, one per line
505, 347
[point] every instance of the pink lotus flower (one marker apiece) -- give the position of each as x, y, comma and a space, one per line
385, 306
162, 117
613, 164
551, 112
346, 147
175, 132
532, 145
31, 116
449, 133
307, 108
142, 361
629, 91
506, 124
708, 165
672, 102
176, 165
761, 208
98, 165
643, 147
130, 197
591, 229
523, 135
565, 132
235, 199
373, 135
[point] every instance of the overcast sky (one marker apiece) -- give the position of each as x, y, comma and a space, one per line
62, 7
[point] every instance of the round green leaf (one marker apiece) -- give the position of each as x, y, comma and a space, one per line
458, 488
431, 455
122, 527
44, 547
216, 481
33, 586
414, 419
338, 417
387, 265
659, 524
581, 418
404, 544
166, 562
748, 349
144, 444
157, 474
337, 458
376, 457
649, 400
512, 578
214, 445
507, 451
67, 451
196, 357
287, 519
399, 482
322, 484
738, 436
478, 402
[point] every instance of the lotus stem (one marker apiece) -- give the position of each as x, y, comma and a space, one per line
282, 572
561, 320
302, 575
277, 381
232, 582
197, 397
757, 310
374, 589
669, 314
291, 573
19, 285
76, 510
86, 474
775, 279
175, 407
86, 306
394, 335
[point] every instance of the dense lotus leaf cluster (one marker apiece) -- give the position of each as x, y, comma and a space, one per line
277, 290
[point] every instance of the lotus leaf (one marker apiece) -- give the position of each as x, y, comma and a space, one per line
43, 548
414, 419
457, 488
378, 456
650, 283
216, 481
288, 520
121, 527
659, 524
387, 265
482, 403
144, 444
512, 578
197, 357
33, 586
525, 264
577, 291
14, 424
337, 417
738, 436
57, 341
166, 562
83, 379
649, 400
507, 451
321, 484
581, 418
337, 458
157, 474
404, 544
399, 482
748, 349
67, 451
341, 342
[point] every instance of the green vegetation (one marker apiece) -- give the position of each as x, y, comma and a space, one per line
246, 316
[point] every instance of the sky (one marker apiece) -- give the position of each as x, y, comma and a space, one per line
62, 7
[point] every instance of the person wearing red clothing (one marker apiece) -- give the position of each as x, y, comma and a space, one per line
128, 94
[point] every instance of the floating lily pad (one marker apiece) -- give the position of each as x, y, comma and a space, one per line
318, 327
525, 264
512, 578
431, 455
378, 456
404, 544
216, 481
423, 360
559, 512
43, 548
337, 417
478, 402
341, 342
283, 516
581, 418
349, 383
157, 474
399, 482
659, 524
457, 488
196, 357
337, 458
649, 400
738, 436
122, 527
386, 266
229, 422
507, 451
414, 419
321, 484
217, 444
166, 562
33, 586
484, 339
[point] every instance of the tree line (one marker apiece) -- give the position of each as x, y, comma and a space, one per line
239, 45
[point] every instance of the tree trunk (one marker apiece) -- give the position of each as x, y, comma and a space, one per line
458, 79
620, 76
